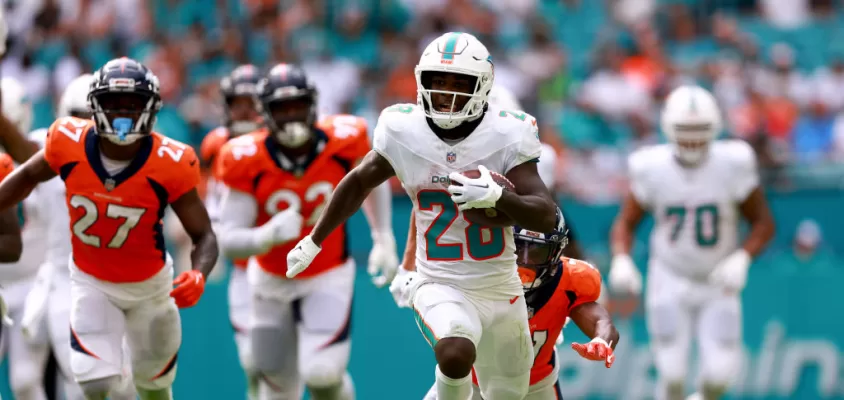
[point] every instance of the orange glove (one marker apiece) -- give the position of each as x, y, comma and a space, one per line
189, 288
596, 350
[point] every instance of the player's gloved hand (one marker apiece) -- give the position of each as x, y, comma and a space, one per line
383, 260
189, 288
482, 192
731, 272
624, 277
596, 350
281, 228
35, 305
402, 287
301, 256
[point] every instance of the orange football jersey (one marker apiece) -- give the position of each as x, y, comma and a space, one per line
115, 221
549, 307
250, 164
209, 150
7, 165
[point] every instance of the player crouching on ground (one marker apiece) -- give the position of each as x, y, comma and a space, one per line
556, 287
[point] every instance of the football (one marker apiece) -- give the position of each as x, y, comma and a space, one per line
489, 216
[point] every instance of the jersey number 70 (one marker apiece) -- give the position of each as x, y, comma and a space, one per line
482, 243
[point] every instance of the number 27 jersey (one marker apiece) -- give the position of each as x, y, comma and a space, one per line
115, 220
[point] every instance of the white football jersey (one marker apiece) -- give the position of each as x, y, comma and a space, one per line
450, 249
547, 165
46, 228
695, 210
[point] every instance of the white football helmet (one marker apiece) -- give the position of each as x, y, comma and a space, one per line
457, 53
503, 98
16, 105
75, 96
691, 120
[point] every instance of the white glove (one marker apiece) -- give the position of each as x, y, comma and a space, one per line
624, 277
36, 301
482, 192
402, 287
301, 256
731, 272
4, 312
281, 228
383, 261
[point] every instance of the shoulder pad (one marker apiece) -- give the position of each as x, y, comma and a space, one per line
583, 278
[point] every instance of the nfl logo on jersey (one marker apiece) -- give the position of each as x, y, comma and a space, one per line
451, 157
110, 184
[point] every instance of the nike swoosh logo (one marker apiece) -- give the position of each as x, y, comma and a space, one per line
513, 300
192, 162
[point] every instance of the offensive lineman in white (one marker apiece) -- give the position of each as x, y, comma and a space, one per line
696, 188
469, 299
50, 294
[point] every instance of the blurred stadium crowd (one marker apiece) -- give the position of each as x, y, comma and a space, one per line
592, 71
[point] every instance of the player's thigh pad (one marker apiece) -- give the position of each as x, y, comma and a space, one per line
443, 311
97, 327
720, 339
505, 353
273, 336
325, 314
154, 334
274, 345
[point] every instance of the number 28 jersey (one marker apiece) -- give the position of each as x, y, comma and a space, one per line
252, 164
449, 248
115, 220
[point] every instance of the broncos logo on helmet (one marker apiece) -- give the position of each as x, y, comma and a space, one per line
125, 100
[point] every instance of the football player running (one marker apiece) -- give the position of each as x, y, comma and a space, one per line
241, 117
279, 180
119, 177
696, 188
556, 288
469, 300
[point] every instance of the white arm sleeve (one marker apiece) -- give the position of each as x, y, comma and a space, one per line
378, 209
238, 236
547, 165
637, 170
745, 175
53, 206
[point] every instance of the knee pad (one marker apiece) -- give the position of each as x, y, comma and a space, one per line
99, 388
278, 386
163, 378
326, 368
274, 349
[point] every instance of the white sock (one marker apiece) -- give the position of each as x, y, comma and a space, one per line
453, 389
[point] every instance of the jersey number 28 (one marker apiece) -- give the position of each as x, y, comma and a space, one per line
482, 243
